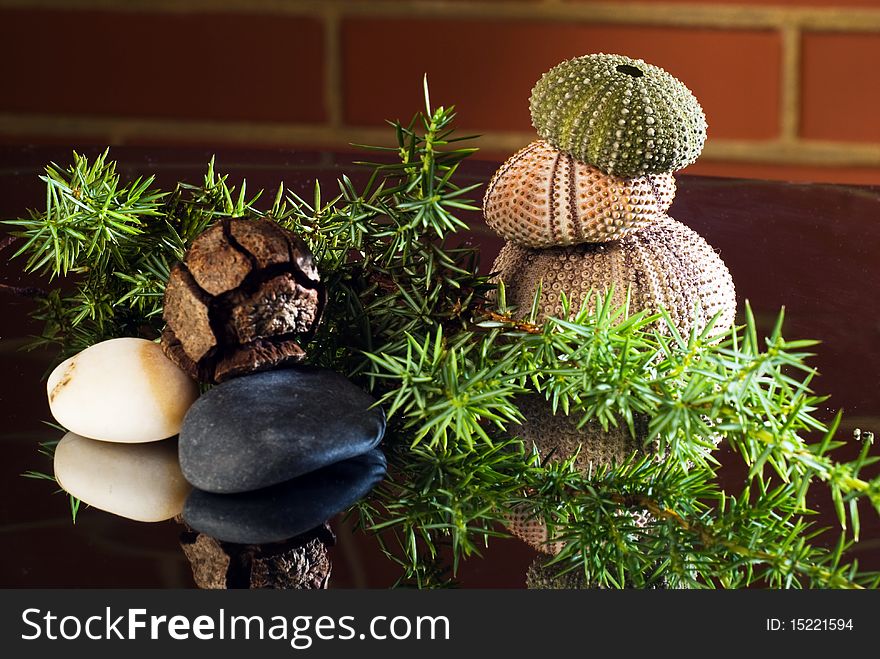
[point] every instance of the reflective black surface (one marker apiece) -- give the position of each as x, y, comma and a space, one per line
811, 248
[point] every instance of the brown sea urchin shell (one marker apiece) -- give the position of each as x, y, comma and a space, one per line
542, 197
664, 264
245, 296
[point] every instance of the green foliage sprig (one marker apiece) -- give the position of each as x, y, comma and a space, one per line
117, 243
410, 317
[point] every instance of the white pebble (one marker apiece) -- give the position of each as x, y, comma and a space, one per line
142, 482
121, 390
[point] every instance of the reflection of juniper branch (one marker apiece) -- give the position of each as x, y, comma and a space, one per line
710, 539
24, 291
21, 291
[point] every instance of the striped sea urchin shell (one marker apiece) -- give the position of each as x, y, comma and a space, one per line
625, 116
664, 264
542, 197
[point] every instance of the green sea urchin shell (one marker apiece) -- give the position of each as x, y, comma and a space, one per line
626, 117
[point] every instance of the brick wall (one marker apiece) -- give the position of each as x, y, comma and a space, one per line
789, 86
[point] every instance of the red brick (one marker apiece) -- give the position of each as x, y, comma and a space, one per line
488, 69
215, 66
840, 95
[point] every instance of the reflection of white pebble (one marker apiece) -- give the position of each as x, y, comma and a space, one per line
142, 482
121, 390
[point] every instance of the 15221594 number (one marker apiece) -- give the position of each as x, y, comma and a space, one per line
821, 624
809, 624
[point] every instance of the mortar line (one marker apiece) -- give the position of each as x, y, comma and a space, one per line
790, 93
803, 152
333, 67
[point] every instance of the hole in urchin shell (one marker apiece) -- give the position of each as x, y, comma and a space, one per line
629, 70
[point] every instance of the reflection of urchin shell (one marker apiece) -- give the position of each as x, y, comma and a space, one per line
665, 264
542, 197
541, 576
625, 116
524, 522
557, 437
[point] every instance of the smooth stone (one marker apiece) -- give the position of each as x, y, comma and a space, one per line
142, 482
262, 429
283, 511
121, 390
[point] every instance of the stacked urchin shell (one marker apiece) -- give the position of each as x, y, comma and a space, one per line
543, 197
627, 117
584, 210
666, 265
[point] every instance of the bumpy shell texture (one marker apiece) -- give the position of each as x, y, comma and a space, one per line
541, 576
545, 575
625, 116
665, 264
556, 438
543, 197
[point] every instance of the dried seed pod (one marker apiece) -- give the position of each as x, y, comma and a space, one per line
542, 197
245, 296
625, 116
665, 264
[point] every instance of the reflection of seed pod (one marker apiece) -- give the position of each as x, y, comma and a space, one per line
542, 197
665, 264
302, 562
625, 116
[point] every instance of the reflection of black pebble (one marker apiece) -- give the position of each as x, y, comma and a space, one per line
282, 511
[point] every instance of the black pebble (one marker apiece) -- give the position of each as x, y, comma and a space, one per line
258, 430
